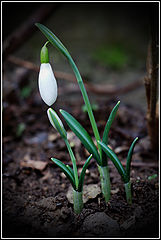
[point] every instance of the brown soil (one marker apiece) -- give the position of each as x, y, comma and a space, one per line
34, 189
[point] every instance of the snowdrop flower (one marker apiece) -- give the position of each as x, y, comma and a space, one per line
47, 82
56, 122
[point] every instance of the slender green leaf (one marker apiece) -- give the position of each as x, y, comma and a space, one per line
82, 175
75, 172
152, 177
107, 129
53, 39
66, 171
82, 134
70, 169
93, 106
109, 123
115, 161
129, 157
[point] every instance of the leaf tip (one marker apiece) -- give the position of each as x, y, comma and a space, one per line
49, 109
90, 157
37, 24
52, 159
61, 111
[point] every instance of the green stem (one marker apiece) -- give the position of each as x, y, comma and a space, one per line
86, 100
73, 162
105, 182
128, 192
78, 201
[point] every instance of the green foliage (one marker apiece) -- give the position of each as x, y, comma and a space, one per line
152, 177
109, 123
82, 134
20, 129
107, 129
113, 56
70, 173
73, 162
93, 106
67, 171
115, 161
53, 39
125, 174
26, 91
82, 175
129, 157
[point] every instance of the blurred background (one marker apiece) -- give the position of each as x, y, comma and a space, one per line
108, 42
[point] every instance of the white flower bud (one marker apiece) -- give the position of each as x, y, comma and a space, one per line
47, 84
56, 122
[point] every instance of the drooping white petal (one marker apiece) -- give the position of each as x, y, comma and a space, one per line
47, 84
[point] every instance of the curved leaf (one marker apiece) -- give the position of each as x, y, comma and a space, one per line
129, 157
109, 123
82, 175
73, 161
53, 39
66, 171
82, 134
107, 129
70, 169
115, 161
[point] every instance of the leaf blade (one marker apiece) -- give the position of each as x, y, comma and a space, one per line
82, 134
82, 175
53, 39
66, 171
71, 170
107, 129
73, 159
115, 161
109, 123
129, 157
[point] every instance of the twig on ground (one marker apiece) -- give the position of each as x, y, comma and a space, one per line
97, 89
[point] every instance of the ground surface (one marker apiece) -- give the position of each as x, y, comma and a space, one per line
35, 200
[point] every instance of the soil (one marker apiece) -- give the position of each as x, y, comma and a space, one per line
35, 202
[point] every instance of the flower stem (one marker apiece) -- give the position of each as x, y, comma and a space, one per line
128, 192
86, 100
105, 182
78, 201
